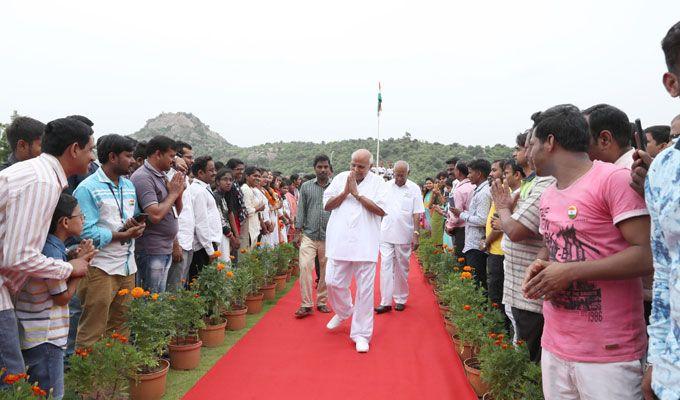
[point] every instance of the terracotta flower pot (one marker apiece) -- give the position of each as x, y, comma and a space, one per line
254, 303
487, 396
474, 376
289, 274
236, 319
464, 350
296, 270
280, 281
151, 386
185, 354
212, 335
269, 291
451, 328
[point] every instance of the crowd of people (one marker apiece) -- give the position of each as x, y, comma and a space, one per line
576, 236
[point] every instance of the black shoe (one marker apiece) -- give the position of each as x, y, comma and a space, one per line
324, 309
303, 312
399, 307
383, 309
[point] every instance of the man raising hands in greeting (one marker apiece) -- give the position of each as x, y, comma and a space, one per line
356, 199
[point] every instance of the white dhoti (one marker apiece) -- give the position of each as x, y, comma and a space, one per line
338, 279
225, 249
394, 266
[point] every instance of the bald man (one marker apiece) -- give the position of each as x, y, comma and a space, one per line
398, 237
357, 201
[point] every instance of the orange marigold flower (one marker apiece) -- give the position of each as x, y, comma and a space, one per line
115, 335
243, 251
232, 257
461, 259
154, 296
504, 346
109, 344
217, 253
197, 295
520, 342
230, 274
220, 266
498, 342
501, 336
467, 307
11, 379
466, 275
258, 244
37, 391
123, 292
445, 246
137, 292
480, 316
494, 305
467, 268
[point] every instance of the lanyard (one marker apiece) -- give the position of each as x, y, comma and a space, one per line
120, 208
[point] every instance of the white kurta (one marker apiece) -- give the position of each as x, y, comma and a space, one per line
352, 239
252, 202
396, 234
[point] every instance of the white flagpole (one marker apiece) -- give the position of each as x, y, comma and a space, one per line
377, 153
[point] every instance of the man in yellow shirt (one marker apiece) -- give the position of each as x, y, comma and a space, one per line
492, 244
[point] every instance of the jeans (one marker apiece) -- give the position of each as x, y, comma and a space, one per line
477, 260
46, 366
530, 329
494, 277
153, 269
10, 348
179, 271
74, 312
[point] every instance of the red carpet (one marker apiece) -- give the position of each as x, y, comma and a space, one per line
411, 357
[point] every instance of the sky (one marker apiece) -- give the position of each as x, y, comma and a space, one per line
268, 70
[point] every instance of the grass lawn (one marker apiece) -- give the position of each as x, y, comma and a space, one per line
179, 382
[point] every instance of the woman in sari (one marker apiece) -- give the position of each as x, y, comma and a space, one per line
426, 223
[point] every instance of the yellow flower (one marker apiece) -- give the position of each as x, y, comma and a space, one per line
217, 253
220, 266
123, 292
467, 268
154, 296
137, 292
465, 275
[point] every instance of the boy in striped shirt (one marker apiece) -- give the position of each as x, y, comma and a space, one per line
42, 304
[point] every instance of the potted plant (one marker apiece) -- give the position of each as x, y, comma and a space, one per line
105, 370
187, 315
19, 388
151, 333
212, 284
500, 369
240, 282
262, 265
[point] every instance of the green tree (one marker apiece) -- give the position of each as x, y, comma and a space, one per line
4, 145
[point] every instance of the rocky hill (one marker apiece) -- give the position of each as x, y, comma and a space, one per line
426, 158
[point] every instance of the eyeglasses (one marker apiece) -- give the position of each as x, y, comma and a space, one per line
81, 216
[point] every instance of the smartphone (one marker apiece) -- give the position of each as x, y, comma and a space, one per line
141, 218
640, 138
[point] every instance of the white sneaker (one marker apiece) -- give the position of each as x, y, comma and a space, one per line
334, 322
362, 346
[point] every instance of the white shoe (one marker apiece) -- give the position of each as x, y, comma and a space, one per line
362, 346
334, 322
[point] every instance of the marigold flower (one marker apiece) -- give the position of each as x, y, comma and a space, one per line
154, 296
197, 295
494, 305
466, 275
230, 274
137, 292
456, 269
217, 253
115, 335
11, 379
480, 316
258, 244
220, 266
492, 335
467, 268
123, 339
520, 342
504, 346
445, 246
243, 251
232, 258
501, 336
123, 292
37, 391
461, 259
467, 307
498, 342
109, 344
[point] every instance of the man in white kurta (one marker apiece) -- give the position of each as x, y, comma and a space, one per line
356, 199
398, 236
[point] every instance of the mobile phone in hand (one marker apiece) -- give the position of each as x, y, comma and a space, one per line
141, 218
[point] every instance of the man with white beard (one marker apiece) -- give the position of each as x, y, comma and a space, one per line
398, 236
356, 199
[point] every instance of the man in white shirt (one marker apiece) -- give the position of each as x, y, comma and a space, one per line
207, 222
356, 200
398, 236
183, 248
254, 207
611, 135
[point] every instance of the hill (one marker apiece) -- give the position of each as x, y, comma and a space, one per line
426, 158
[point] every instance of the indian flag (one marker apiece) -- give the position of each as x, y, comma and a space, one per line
379, 99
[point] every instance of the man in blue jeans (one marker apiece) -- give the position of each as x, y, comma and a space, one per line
161, 199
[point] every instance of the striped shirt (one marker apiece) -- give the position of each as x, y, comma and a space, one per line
311, 218
40, 320
519, 255
29, 192
106, 207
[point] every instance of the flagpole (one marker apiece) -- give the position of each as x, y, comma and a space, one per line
377, 153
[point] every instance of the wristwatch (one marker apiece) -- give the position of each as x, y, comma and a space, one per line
416, 233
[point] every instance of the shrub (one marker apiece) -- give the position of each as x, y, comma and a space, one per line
188, 308
240, 286
212, 284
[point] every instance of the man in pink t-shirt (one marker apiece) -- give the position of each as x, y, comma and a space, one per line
596, 231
